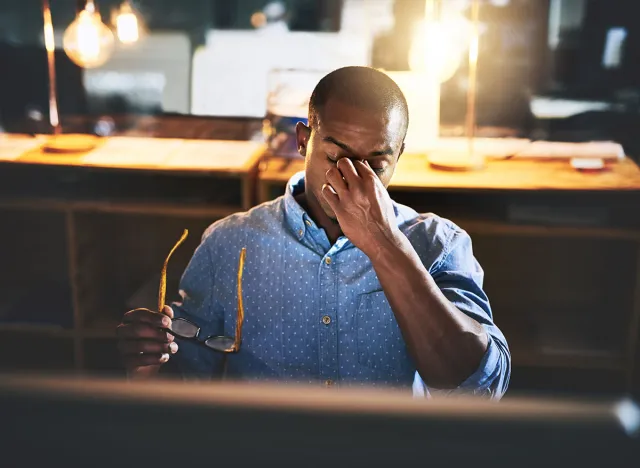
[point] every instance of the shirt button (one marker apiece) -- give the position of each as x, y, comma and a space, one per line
328, 383
300, 232
327, 260
326, 320
308, 223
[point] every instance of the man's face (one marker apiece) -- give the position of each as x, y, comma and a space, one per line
347, 132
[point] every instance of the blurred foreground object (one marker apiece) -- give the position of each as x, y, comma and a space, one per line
75, 422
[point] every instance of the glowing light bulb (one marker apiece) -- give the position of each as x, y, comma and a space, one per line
440, 45
127, 26
88, 41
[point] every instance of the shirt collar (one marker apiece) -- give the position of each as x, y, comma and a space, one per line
297, 218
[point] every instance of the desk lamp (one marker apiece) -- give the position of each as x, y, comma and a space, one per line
446, 34
89, 43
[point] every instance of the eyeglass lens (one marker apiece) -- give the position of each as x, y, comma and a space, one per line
223, 344
184, 329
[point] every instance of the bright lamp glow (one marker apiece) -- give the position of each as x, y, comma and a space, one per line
440, 45
88, 41
127, 24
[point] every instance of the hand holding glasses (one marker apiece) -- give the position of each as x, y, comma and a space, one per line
183, 328
146, 337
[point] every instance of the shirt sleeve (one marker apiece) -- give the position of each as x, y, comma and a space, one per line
193, 360
460, 277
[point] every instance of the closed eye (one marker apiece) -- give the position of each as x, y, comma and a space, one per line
331, 159
377, 170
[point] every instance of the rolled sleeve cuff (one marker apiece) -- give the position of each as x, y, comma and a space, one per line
489, 380
492, 376
482, 378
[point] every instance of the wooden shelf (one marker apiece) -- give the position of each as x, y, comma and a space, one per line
121, 207
105, 330
474, 226
538, 359
37, 329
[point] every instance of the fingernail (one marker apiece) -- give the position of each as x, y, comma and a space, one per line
169, 337
166, 322
164, 358
173, 347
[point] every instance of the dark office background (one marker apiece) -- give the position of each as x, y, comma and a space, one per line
516, 61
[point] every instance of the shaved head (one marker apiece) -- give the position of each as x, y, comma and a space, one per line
362, 88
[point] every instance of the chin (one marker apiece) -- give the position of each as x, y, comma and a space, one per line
329, 212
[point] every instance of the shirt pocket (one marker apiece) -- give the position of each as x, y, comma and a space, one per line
380, 342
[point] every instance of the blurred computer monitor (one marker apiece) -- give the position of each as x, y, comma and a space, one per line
95, 423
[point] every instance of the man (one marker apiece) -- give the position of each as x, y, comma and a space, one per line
341, 285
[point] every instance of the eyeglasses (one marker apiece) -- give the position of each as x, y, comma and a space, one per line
186, 329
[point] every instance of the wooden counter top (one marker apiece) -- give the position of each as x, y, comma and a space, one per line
142, 153
413, 172
211, 172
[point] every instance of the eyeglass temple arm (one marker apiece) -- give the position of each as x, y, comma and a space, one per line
240, 319
162, 293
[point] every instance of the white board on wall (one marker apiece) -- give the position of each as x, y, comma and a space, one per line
155, 68
231, 73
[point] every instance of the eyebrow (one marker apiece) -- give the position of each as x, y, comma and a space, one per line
385, 152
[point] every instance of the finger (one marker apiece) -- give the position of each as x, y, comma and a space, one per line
146, 347
139, 330
348, 171
334, 178
142, 360
155, 319
364, 169
168, 311
331, 196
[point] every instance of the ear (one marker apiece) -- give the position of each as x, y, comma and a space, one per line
401, 151
302, 138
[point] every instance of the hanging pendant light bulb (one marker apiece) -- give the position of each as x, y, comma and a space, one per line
128, 25
439, 42
88, 41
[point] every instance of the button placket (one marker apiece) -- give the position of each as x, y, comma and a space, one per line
327, 332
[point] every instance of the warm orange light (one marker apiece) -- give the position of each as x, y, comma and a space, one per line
88, 41
439, 44
128, 25
49, 42
258, 20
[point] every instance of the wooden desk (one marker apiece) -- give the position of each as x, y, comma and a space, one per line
561, 254
413, 173
184, 159
82, 242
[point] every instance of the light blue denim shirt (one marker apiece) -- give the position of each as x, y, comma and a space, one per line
315, 312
